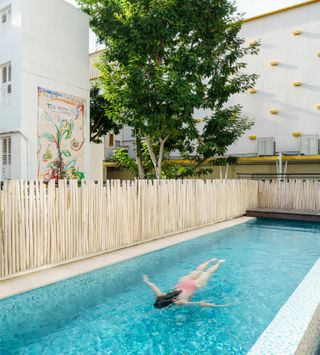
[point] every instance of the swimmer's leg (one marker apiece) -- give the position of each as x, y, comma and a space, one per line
203, 279
196, 273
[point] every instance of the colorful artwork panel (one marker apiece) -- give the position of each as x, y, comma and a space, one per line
61, 135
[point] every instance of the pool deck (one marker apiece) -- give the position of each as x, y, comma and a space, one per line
55, 273
296, 327
277, 213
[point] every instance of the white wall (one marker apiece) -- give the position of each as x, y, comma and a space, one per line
96, 161
54, 56
48, 47
298, 62
128, 140
17, 143
10, 52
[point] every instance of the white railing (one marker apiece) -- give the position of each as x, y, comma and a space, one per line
43, 224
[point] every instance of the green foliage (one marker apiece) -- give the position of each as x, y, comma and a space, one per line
100, 122
170, 170
122, 158
221, 131
224, 161
174, 170
166, 59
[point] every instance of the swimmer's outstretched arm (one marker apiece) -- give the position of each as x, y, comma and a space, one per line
202, 304
153, 287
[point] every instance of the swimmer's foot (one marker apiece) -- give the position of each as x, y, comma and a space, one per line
221, 261
212, 260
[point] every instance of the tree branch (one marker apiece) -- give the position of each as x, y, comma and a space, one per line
97, 124
151, 152
97, 134
139, 158
161, 150
195, 168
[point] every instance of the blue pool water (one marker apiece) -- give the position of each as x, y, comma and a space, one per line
110, 311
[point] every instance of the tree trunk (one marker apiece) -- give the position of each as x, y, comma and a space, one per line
160, 157
157, 162
152, 155
139, 158
226, 173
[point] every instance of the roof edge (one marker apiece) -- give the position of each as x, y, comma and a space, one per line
101, 50
296, 6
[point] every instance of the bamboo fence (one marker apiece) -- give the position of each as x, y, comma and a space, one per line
44, 224
291, 195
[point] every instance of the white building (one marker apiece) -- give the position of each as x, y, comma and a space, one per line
285, 103
124, 139
43, 44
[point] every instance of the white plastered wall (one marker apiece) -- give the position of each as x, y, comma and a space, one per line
54, 56
10, 52
48, 47
96, 161
298, 61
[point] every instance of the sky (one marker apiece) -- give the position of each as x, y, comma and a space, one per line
249, 7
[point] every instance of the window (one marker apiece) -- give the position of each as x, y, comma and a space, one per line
111, 140
6, 83
5, 19
6, 158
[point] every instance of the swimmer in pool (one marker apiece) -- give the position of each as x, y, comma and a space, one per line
186, 287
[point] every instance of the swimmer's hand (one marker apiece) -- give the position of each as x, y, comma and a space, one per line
205, 304
145, 278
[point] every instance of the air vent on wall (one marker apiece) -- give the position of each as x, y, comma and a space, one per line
266, 146
309, 145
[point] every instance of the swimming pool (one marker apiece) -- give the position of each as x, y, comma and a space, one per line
110, 310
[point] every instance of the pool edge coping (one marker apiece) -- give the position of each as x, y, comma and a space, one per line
55, 273
295, 328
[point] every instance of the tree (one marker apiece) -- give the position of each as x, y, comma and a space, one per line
100, 121
224, 162
171, 169
218, 134
165, 59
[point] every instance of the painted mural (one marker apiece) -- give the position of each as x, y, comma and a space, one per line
61, 135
